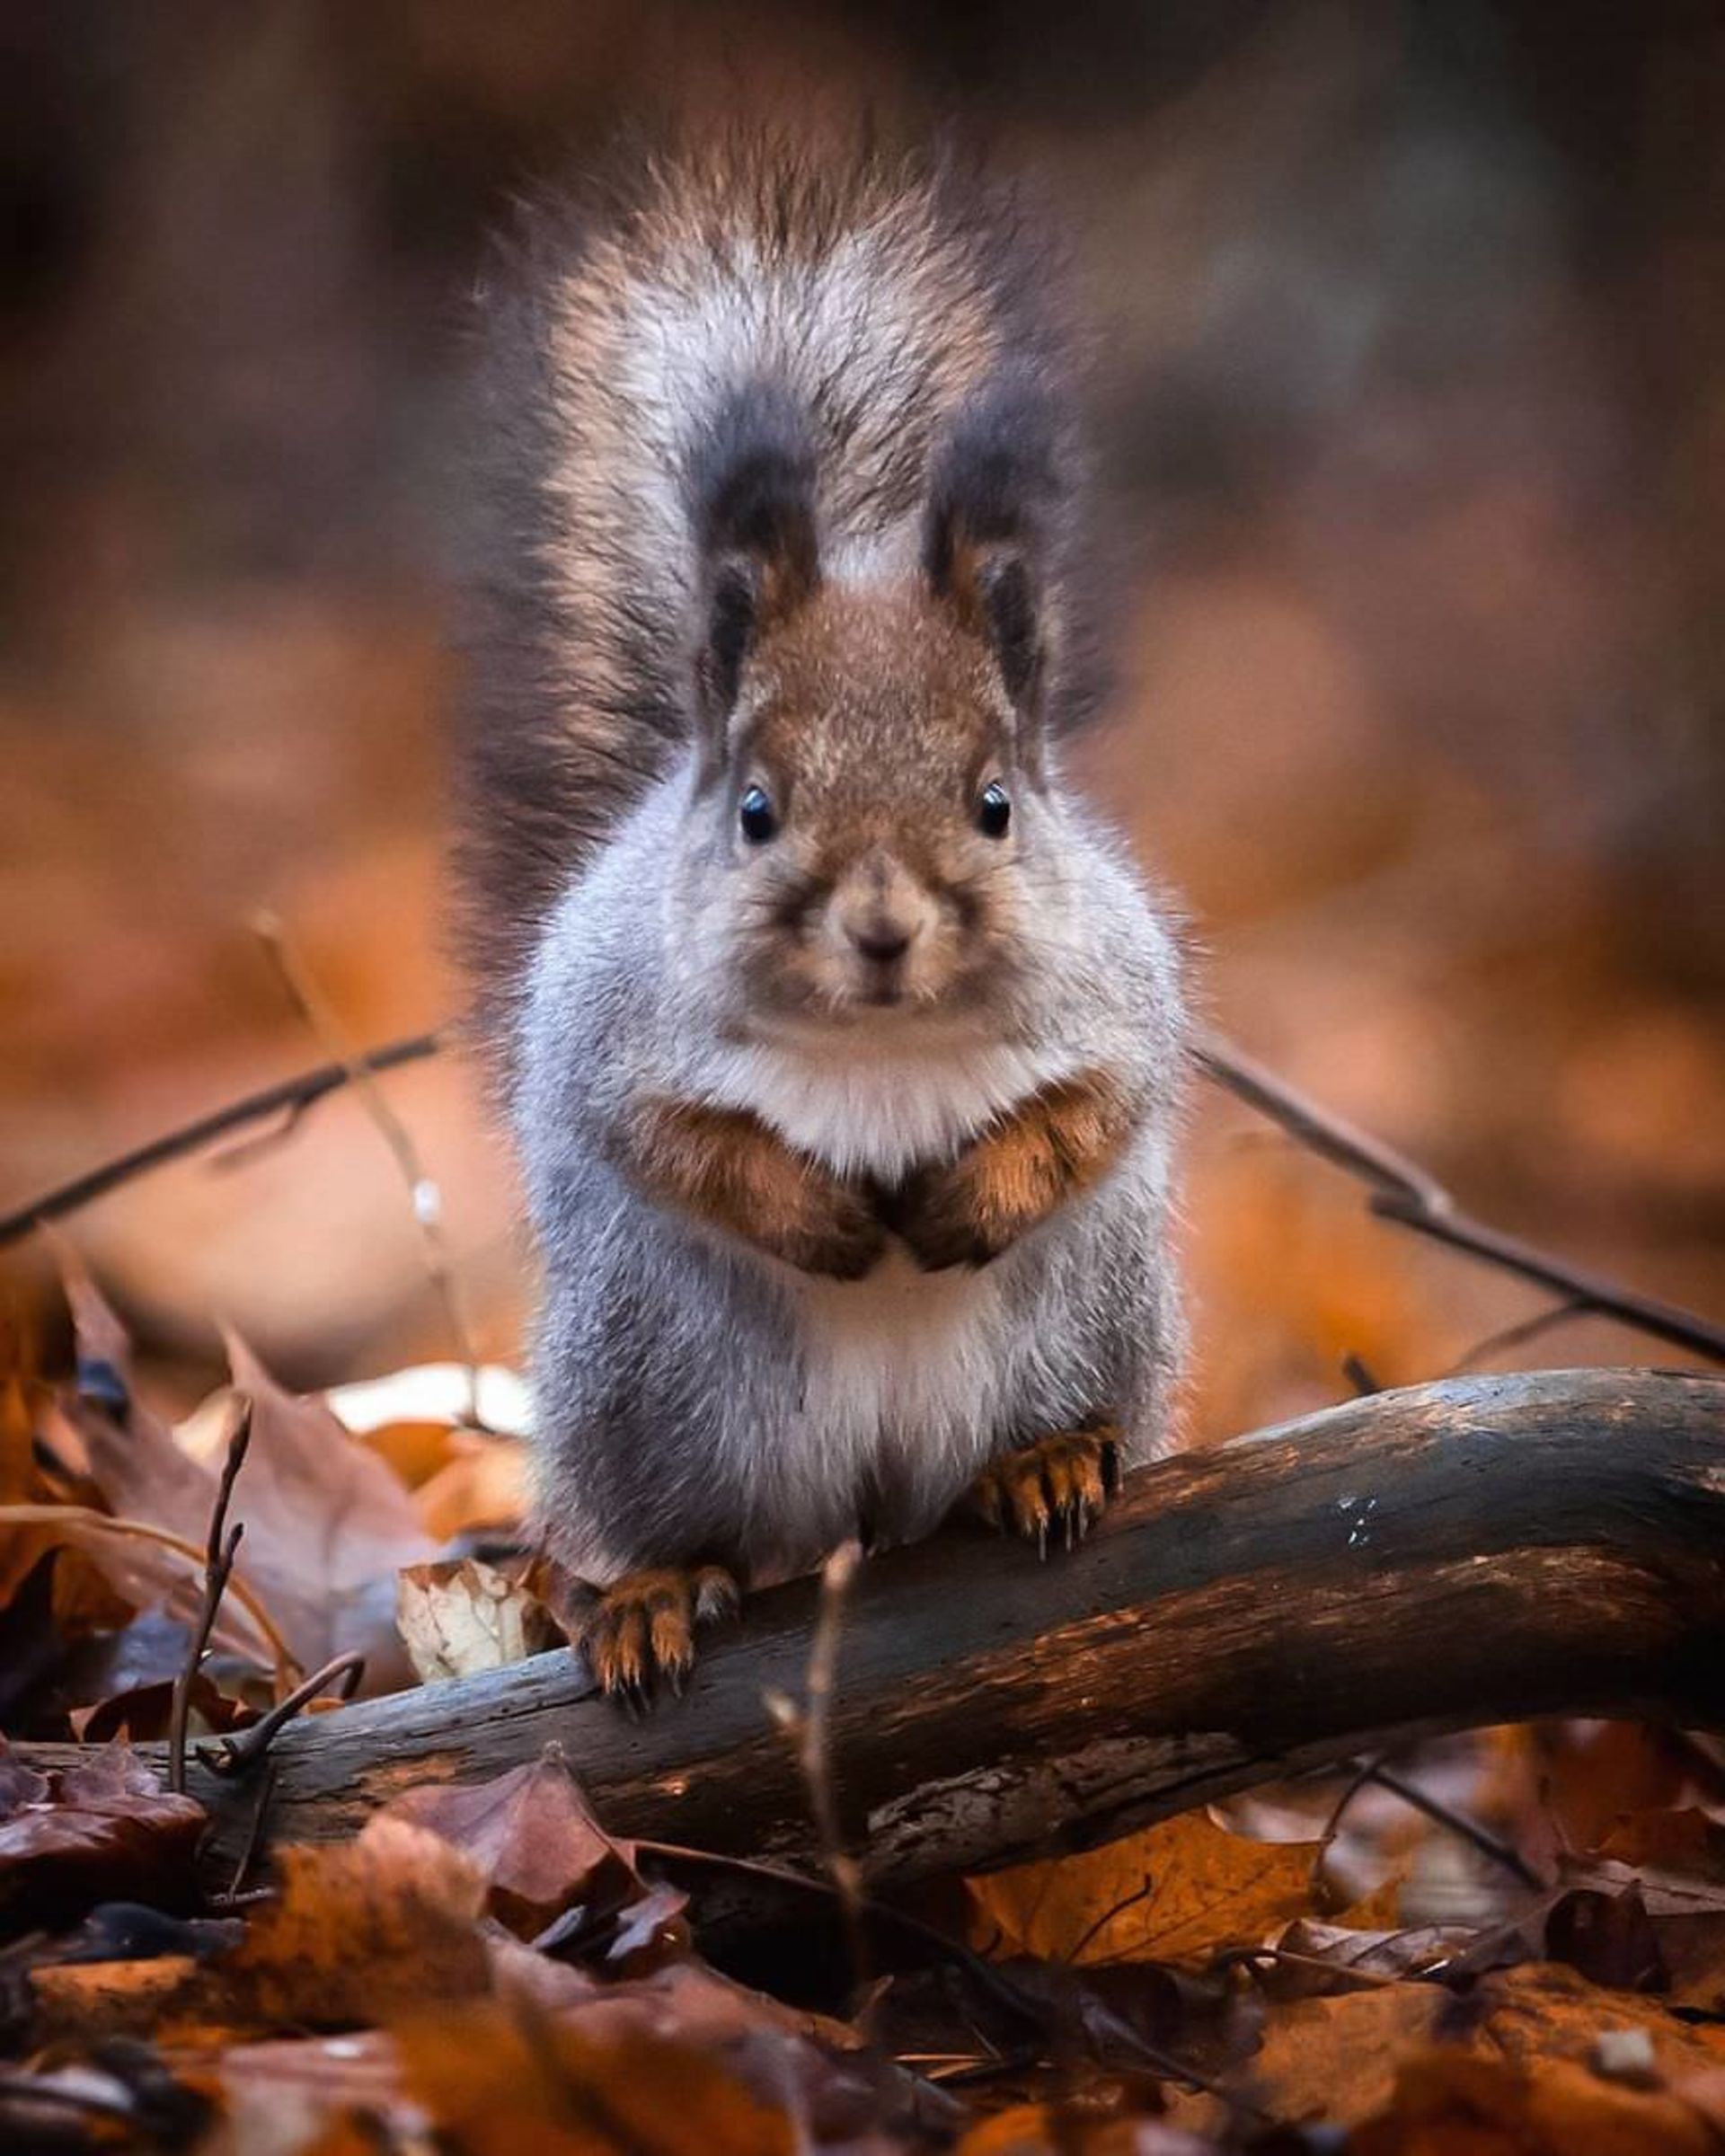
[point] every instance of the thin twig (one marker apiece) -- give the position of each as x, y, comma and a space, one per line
1318, 1128
145, 1531
242, 1749
297, 1093
1374, 1772
424, 1191
1470, 1830
220, 1549
1140, 1893
809, 1727
993, 1982
1404, 1192
1249, 1958
1401, 1190
1517, 1336
254, 1833
233, 1755
1357, 1782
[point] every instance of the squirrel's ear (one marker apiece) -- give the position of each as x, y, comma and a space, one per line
991, 504
752, 480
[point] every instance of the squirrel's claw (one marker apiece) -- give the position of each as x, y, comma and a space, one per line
642, 1629
1061, 1482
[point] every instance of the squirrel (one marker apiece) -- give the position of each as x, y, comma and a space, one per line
841, 1043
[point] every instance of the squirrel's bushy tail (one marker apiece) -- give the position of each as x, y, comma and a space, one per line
644, 348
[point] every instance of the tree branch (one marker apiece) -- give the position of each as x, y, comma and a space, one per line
1453, 1555
290, 1096
1403, 1191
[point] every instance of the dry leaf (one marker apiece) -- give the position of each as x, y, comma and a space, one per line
364, 1930
497, 2082
327, 1525
1336, 2059
529, 1834
553, 1875
1314, 1958
486, 1482
1178, 1891
142, 1714
1449, 2104
457, 1615
104, 1830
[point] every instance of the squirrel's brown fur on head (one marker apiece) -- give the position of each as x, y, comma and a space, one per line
754, 373
873, 722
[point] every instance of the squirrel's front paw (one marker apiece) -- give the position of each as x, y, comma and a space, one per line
842, 1238
643, 1628
943, 1217
1061, 1481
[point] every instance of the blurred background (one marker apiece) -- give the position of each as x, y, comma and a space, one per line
1411, 375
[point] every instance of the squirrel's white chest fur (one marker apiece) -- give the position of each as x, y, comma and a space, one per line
908, 1377
880, 1105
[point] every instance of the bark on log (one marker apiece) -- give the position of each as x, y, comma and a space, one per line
1452, 1555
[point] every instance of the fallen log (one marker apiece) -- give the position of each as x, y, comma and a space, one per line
1452, 1555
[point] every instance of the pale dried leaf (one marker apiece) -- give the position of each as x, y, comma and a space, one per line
457, 1616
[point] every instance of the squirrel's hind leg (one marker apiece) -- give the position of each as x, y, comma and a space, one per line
1060, 1484
642, 1628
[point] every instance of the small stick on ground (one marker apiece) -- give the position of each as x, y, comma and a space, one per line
995, 1984
1374, 1771
233, 1755
1469, 1830
809, 1728
422, 1189
248, 1856
220, 1551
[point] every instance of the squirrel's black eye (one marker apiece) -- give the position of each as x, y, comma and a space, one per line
994, 812
755, 813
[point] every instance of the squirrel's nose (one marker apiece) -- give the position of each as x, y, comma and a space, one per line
884, 942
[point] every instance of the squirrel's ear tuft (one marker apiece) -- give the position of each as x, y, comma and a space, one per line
992, 501
751, 481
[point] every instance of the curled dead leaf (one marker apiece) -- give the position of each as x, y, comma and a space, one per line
457, 1615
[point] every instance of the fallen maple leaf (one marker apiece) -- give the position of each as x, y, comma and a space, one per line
1178, 1891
